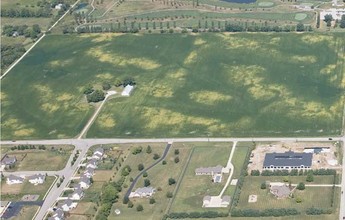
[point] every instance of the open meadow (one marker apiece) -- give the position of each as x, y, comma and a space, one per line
209, 85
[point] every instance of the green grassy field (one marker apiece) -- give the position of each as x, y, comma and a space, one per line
310, 196
193, 188
27, 212
210, 84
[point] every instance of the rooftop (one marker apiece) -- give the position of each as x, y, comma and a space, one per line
288, 158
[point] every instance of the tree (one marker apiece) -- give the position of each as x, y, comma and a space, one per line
342, 21
147, 182
263, 185
177, 159
169, 194
156, 156
300, 27
310, 177
140, 167
96, 96
148, 149
145, 174
88, 89
106, 86
164, 162
298, 200
328, 18
177, 152
140, 208
301, 186
171, 181
152, 201
130, 204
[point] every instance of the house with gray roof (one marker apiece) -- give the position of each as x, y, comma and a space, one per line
288, 160
68, 205
89, 172
7, 160
58, 214
12, 179
92, 164
98, 153
84, 182
209, 170
142, 192
37, 179
77, 194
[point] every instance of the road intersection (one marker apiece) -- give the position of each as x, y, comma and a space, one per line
84, 144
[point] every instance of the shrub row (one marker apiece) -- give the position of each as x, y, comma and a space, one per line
264, 213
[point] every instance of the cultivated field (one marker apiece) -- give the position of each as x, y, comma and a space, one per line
210, 85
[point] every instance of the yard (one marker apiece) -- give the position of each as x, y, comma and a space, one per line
311, 196
193, 188
27, 212
175, 94
41, 160
17, 191
158, 177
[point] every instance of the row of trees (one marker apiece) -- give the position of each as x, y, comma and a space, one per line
20, 30
10, 53
293, 172
26, 13
26, 147
184, 215
329, 18
264, 213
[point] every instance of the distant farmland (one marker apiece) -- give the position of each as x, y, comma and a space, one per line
187, 86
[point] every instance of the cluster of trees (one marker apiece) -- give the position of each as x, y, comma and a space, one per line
26, 147
264, 213
109, 195
60, 181
318, 211
75, 157
26, 13
9, 53
184, 215
95, 96
293, 172
126, 170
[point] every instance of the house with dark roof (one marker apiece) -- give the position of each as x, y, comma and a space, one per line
12, 179
7, 160
84, 182
57, 215
89, 172
77, 194
68, 205
287, 161
92, 164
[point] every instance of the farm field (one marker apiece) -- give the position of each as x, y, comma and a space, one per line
17, 191
211, 85
193, 188
41, 160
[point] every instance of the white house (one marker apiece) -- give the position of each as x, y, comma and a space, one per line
58, 6
37, 179
142, 192
77, 194
57, 215
12, 179
92, 164
84, 182
89, 172
68, 205
127, 90
98, 153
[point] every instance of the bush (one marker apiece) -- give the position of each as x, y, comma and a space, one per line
130, 204
171, 181
145, 174
96, 96
164, 162
318, 211
148, 149
298, 200
152, 201
177, 152
177, 159
88, 89
169, 195
300, 186
147, 182
263, 185
310, 177
137, 150
255, 173
140, 167
140, 208
106, 86
156, 156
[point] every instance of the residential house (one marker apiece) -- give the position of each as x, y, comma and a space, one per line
92, 164
225, 201
127, 90
206, 201
287, 161
142, 192
98, 153
58, 214
59, 6
12, 179
280, 190
89, 172
84, 182
77, 194
68, 205
209, 170
37, 179
7, 160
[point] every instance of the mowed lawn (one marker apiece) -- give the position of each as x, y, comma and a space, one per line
158, 176
193, 188
311, 197
27, 212
17, 191
187, 86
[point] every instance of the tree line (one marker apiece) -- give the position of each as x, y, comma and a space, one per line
10, 53
293, 172
22, 30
